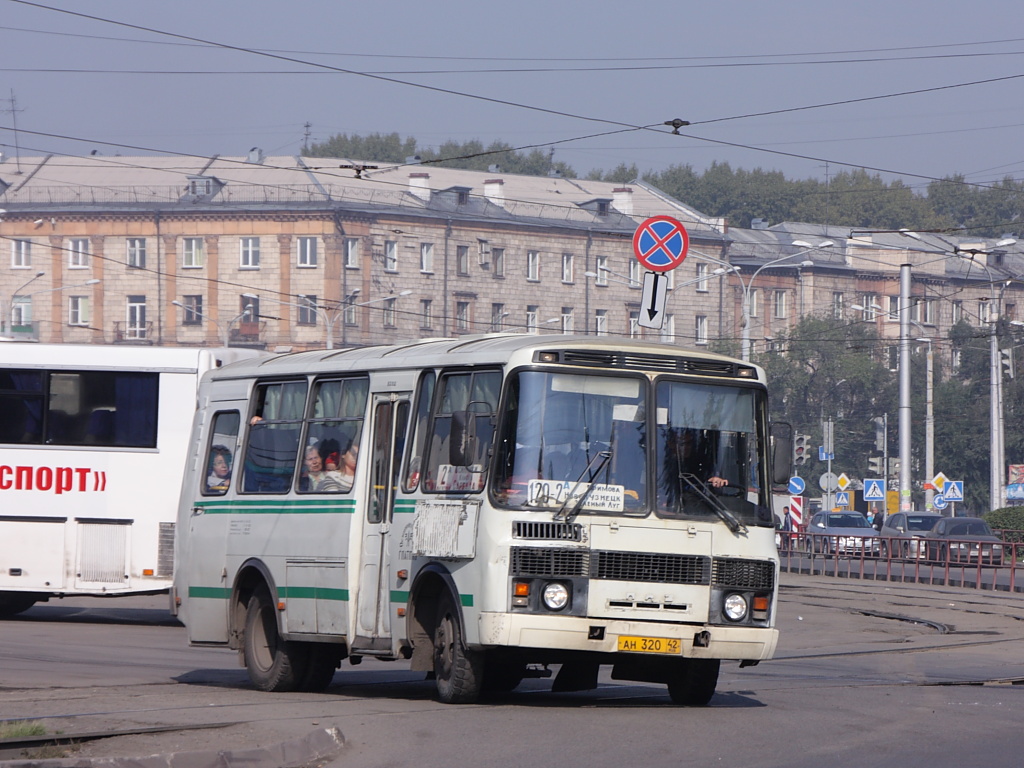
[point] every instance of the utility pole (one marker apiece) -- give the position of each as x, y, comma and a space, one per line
13, 110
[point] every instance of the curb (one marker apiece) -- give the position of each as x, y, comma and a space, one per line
317, 746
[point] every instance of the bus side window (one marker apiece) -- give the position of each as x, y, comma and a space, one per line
272, 450
419, 434
221, 455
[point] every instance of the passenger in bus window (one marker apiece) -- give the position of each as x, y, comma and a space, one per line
219, 479
347, 473
312, 470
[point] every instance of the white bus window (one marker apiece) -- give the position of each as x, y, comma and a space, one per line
101, 408
423, 400
273, 446
471, 399
221, 456
332, 436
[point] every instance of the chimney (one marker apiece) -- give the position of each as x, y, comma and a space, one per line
622, 200
494, 192
255, 156
418, 185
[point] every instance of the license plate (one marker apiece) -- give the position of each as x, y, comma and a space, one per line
634, 644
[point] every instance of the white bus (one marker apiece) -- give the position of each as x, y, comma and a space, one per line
93, 442
517, 501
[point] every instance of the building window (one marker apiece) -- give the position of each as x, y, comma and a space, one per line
892, 311
635, 331
388, 312
21, 254
892, 357
78, 310
462, 259
498, 314
601, 263
702, 277
924, 311
498, 261
135, 317
351, 253
700, 329
307, 252
250, 253
351, 314
462, 315
837, 305
668, 330
307, 309
780, 305
1009, 312
249, 309
533, 265
955, 359
426, 313
426, 257
567, 271
136, 252
192, 252
983, 311
957, 311
21, 312
193, 306
531, 319
390, 256
869, 302
754, 296
78, 253
601, 322
568, 319
635, 276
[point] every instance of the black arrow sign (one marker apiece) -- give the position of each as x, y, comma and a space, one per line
653, 309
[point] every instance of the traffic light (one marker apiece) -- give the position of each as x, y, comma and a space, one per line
1006, 359
799, 449
876, 465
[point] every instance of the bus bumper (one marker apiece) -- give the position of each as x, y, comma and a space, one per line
569, 633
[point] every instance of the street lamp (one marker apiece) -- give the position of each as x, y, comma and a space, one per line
225, 330
9, 315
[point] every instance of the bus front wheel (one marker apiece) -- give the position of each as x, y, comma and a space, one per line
273, 663
693, 683
458, 672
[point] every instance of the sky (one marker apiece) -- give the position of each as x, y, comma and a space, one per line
907, 89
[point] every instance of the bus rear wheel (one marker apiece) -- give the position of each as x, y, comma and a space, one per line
273, 663
458, 672
693, 682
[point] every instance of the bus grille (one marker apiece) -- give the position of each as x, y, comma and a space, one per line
549, 531
667, 363
608, 565
652, 567
744, 574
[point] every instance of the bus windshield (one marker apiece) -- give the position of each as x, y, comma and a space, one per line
707, 449
573, 444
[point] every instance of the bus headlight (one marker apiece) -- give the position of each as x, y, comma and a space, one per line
735, 607
555, 596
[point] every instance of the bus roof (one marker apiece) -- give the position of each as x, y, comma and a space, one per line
120, 357
603, 351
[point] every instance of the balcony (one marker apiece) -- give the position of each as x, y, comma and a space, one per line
248, 335
133, 333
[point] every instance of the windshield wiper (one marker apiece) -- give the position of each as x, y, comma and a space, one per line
604, 457
701, 489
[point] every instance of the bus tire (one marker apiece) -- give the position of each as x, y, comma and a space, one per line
13, 603
458, 672
321, 662
693, 683
273, 664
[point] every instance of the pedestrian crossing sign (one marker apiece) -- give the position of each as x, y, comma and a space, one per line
874, 490
954, 490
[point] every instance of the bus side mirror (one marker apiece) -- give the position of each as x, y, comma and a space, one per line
781, 437
462, 441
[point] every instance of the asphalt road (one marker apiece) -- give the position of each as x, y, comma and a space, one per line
867, 674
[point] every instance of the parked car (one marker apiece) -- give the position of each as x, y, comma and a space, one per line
963, 540
847, 533
902, 531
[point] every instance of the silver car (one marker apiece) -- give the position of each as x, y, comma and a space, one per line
902, 532
846, 533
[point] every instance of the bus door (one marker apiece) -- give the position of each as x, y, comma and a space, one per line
388, 429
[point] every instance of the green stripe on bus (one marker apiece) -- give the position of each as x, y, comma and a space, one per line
314, 593
405, 506
214, 593
399, 596
273, 507
466, 600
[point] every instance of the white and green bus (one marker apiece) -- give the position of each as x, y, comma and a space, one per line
517, 501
